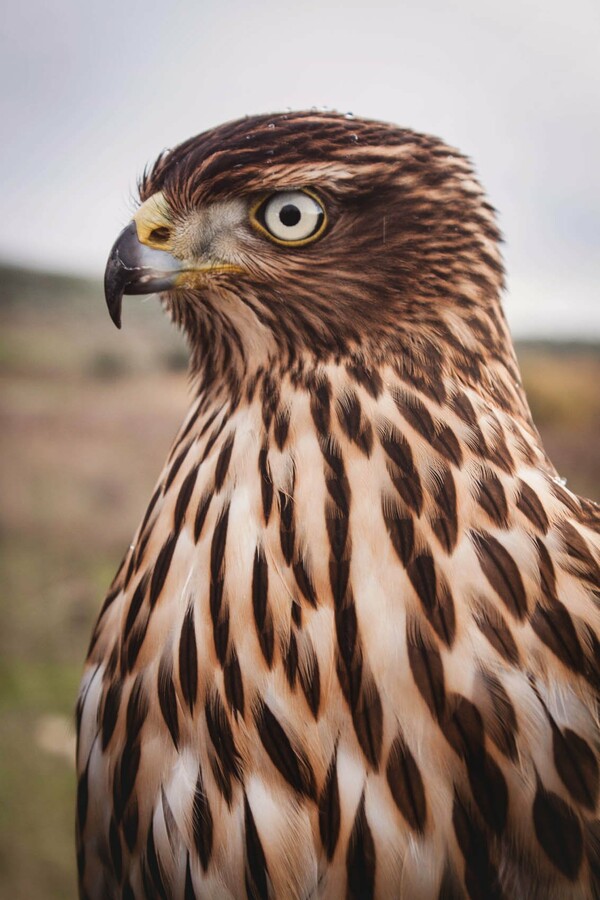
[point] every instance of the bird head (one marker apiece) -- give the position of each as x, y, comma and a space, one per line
314, 233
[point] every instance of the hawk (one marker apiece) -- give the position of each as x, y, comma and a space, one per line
353, 650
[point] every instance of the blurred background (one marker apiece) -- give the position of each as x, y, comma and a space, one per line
91, 92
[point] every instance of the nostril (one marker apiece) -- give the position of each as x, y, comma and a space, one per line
160, 235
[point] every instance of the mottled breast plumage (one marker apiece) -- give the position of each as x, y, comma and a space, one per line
352, 650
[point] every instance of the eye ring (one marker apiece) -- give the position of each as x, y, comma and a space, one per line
267, 210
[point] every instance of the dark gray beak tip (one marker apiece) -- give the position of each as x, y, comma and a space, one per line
113, 289
134, 268
118, 275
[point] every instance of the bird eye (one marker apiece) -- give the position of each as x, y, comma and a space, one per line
291, 217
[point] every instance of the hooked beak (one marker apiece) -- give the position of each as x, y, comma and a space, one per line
141, 261
134, 267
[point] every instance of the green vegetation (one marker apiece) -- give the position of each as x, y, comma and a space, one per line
87, 418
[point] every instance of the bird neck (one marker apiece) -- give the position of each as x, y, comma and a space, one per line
475, 404
460, 341
433, 364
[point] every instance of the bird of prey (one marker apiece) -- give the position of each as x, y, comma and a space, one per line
353, 650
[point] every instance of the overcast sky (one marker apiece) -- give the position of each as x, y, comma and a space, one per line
92, 91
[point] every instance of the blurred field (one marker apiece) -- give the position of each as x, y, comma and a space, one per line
87, 416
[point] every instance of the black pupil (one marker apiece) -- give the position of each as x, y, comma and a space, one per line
289, 215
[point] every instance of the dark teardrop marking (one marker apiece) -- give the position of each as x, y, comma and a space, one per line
577, 766
503, 726
329, 810
361, 858
398, 449
152, 871
222, 779
445, 521
494, 627
234, 684
357, 429
530, 505
262, 615
339, 575
212, 440
266, 481
202, 823
281, 428
547, 573
219, 612
558, 830
502, 573
416, 414
346, 626
188, 659
125, 775
463, 727
447, 445
291, 661
367, 717
489, 789
137, 709
286, 526
434, 595
304, 582
406, 785
463, 408
320, 407
337, 531
167, 698
428, 672
401, 468
183, 499
110, 712
82, 800
481, 879
200, 518
491, 497
336, 482
349, 413
310, 682
136, 603
270, 399
294, 766
217, 548
499, 454
221, 735
296, 613
161, 568
134, 644
554, 626
223, 461
256, 864
218, 609
401, 531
